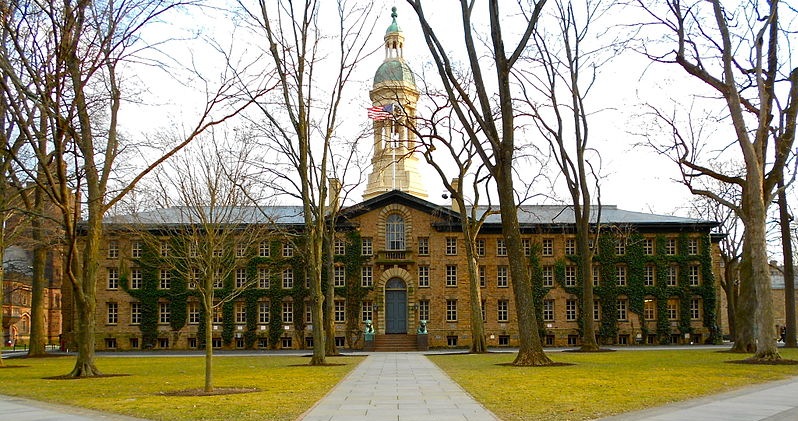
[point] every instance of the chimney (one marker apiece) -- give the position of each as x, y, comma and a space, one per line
333, 194
456, 187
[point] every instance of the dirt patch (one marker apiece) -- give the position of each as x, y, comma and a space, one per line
764, 361
215, 392
536, 366
317, 365
13, 366
589, 352
99, 376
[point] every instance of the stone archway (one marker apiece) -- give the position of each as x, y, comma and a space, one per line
395, 306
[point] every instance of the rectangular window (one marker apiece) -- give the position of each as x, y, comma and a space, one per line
502, 276
264, 249
649, 275
192, 249
620, 275
113, 278
570, 310
648, 246
501, 247
136, 249
694, 275
367, 276
479, 245
241, 277
264, 312
547, 248
218, 251
526, 244
308, 313
482, 311
451, 275
695, 308
366, 311
570, 275
423, 310
288, 278
340, 311
217, 313
451, 246
622, 306
596, 310
670, 246
649, 309
164, 249
164, 313
339, 247
423, 276
113, 313
339, 276
218, 279
288, 312
482, 277
264, 278
692, 246
193, 310
548, 276
366, 246
451, 310
135, 313
596, 275
548, 310
620, 246
423, 246
672, 279
193, 278
165, 278
673, 309
240, 312
113, 249
570, 246
502, 308
288, 250
241, 250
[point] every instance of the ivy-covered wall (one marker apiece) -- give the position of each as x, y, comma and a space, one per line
635, 259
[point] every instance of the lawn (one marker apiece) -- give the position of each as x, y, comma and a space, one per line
287, 388
602, 384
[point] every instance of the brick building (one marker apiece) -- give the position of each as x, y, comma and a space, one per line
400, 259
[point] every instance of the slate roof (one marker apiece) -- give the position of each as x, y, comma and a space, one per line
183, 215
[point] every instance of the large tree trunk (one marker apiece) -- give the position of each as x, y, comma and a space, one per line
478, 339
530, 350
38, 329
315, 263
744, 330
84, 366
589, 343
329, 314
789, 269
208, 304
731, 274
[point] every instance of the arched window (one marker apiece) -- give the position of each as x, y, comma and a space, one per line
395, 232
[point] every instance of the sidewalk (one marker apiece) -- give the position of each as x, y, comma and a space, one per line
773, 401
397, 386
21, 409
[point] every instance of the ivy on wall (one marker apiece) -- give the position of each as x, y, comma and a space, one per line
177, 296
635, 290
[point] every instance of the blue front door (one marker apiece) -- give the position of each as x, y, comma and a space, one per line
395, 307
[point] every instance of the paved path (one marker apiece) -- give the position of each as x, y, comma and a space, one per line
20, 409
774, 401
397, 386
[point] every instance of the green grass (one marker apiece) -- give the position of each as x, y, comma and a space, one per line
602, 384
287, 389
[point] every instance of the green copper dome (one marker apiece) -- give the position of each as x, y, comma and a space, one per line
394, 26
394, 71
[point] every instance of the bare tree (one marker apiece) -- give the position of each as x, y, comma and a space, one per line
785, 218
567, 67
211, 231
736, 54
65, 59
301, 122
494, 115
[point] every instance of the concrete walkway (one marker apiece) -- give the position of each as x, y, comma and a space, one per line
773, 401
21, 409
397, 386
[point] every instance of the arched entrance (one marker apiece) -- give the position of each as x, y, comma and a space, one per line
395, 306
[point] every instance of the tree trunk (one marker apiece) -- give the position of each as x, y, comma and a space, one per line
315, 263
208, 304
530, 350
789, 268
478, 339
589, 343
731, 287
38, 331
84, 366
330, 349
744, 336
2, 283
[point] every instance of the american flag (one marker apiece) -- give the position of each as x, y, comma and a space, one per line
380, 113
